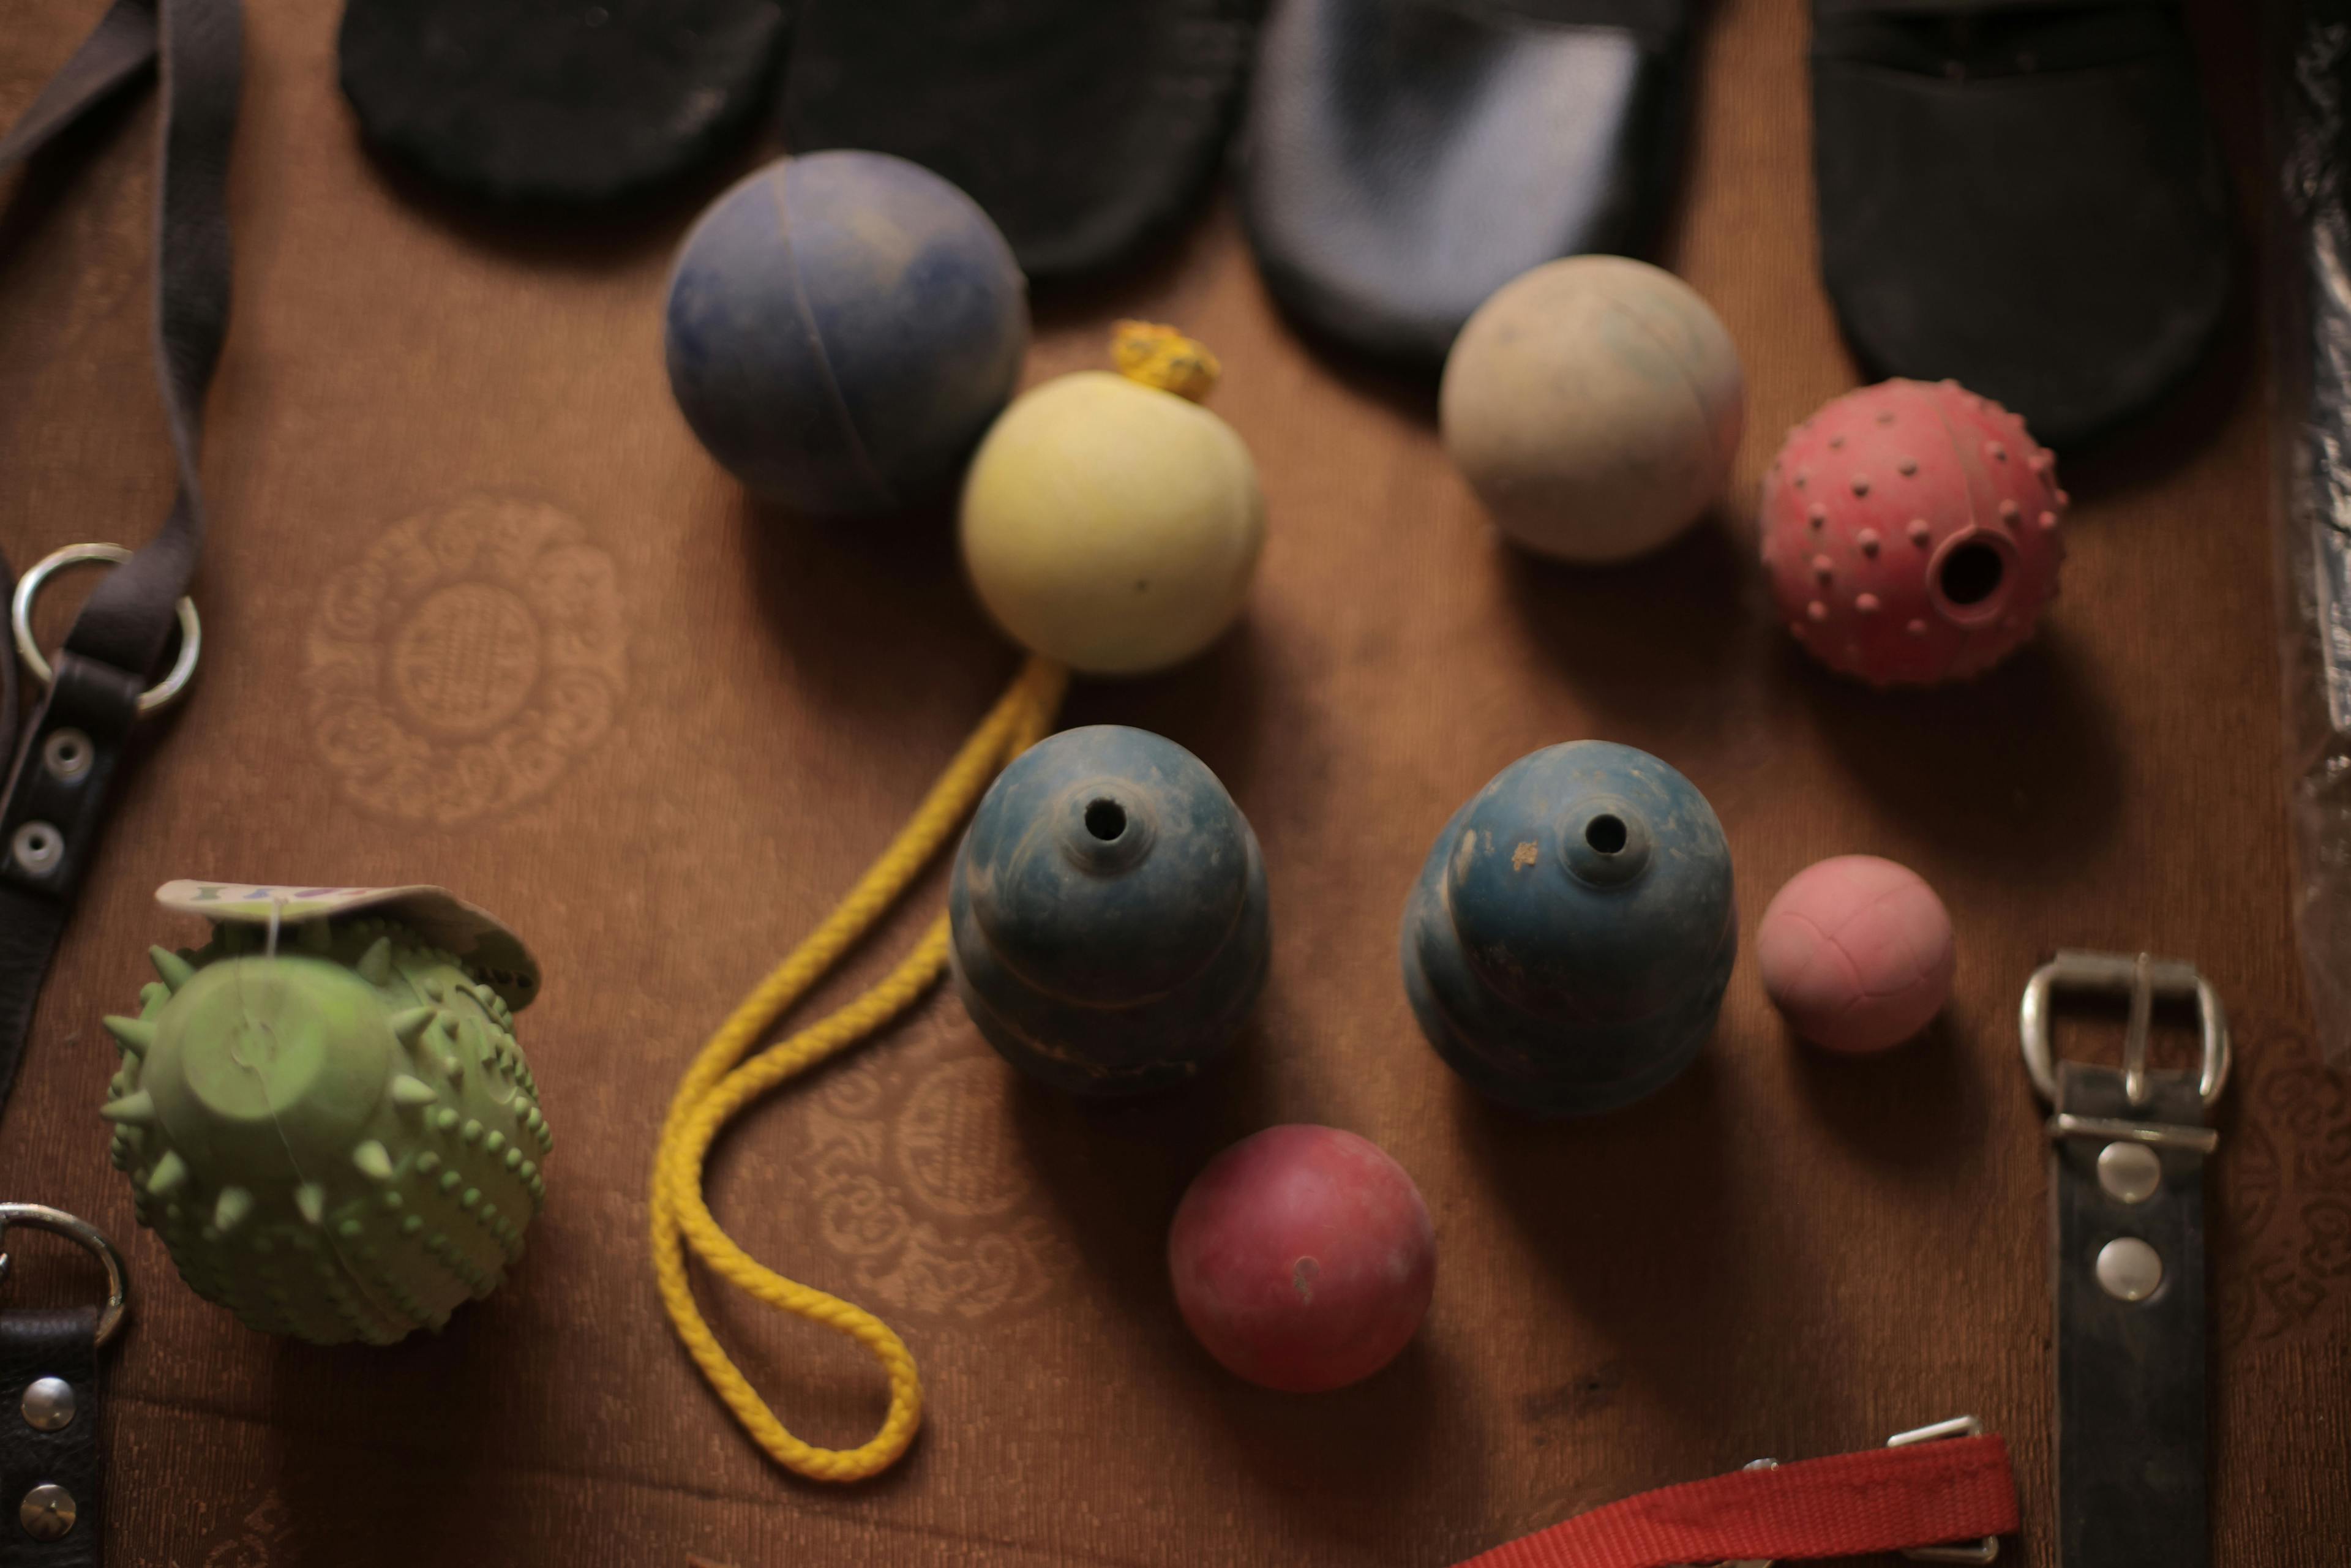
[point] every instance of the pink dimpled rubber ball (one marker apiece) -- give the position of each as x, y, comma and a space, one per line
1911, 531
1302, 1258
1856, 953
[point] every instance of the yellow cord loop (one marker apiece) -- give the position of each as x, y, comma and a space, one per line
715, 1088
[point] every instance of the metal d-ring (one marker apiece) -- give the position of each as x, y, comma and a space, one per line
155, 698
41, 1216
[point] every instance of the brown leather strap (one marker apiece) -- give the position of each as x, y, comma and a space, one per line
125, 627
121, 46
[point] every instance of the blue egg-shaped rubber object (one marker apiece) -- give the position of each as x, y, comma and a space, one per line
1568, 943
841, 328
1108, 909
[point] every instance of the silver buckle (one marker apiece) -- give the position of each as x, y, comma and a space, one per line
1984, 1550
2142, 978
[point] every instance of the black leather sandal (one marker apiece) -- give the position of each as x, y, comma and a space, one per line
1402, 159
1087, 128
2021, 194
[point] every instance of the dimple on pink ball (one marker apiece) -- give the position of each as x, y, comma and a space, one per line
1910, 532
1856, 953
1302, 1258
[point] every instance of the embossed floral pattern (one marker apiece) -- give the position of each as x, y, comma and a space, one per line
466, 659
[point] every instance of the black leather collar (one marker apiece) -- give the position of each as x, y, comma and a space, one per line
52, 1496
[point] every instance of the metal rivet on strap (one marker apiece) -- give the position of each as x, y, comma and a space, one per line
47, 1512
67, 754
2129, 1172
49, 1404
2129, 1269
38, 848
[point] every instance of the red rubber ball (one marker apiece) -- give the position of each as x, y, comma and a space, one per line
1910, 532
1302, 1258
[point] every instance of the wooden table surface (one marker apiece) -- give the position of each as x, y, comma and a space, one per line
479, 612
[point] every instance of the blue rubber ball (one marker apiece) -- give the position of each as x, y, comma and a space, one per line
842, 328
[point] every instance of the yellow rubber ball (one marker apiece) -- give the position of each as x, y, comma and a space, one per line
1110, 525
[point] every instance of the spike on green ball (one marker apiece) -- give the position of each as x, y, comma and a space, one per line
175, 970
233, 1205
280, 1101
136, 1109
167, 1175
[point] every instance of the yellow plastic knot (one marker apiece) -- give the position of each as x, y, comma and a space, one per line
1163, 358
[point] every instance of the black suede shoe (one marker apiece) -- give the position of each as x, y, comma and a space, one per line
1402, 159
2022, 195
1087, 128
558, 102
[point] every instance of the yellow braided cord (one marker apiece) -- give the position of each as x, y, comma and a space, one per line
715, 1088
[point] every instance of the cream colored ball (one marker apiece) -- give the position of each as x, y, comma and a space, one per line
1110, 525
1594, 405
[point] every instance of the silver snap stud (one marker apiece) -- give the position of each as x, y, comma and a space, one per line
68, 755
2129, 1269
38, 848
47, 1512
49, 1404
2129, 1172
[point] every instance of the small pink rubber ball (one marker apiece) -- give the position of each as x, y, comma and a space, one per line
1911, 531
1302, 1258
1856, 953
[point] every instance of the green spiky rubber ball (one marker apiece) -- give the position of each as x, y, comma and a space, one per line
339, 1140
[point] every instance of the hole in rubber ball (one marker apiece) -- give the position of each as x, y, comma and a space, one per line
1606, 834
1105, 820
1971, 574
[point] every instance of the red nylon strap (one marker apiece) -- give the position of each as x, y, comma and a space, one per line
1926, 1494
